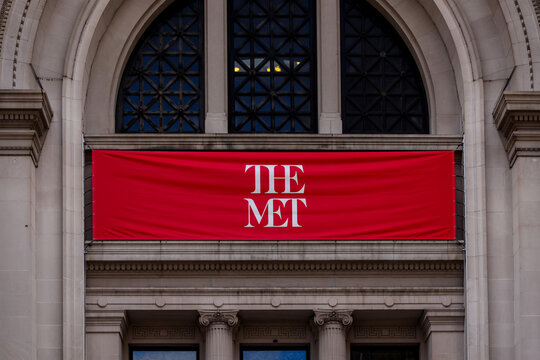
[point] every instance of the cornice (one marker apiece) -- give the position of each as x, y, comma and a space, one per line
170, 268
517, 117
227, 317
25, 116
280, 142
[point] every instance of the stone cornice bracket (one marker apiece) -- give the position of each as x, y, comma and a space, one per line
442, 321
25, 116
107, 322
517, 117
228, 317
343, 317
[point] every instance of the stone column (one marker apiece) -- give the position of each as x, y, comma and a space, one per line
330, 120
444, 334
105, 334
333, 325
25, 116
216, 67
218, 328
517, 117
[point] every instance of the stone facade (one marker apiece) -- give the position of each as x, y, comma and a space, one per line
62, 297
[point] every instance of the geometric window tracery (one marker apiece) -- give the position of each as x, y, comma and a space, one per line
162, 90
381, 87
272, 67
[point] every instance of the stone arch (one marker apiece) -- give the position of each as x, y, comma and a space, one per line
422, 37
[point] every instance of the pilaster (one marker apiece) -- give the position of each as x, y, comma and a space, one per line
105, 333
218, 329
444, 334
333, 326
25, 116
517, 116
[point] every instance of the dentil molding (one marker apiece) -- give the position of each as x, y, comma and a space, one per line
517, 117
176, 268
25, 116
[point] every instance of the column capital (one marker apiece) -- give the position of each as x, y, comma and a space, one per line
228, 317
442, 321
25, 116
343, 317
517, 117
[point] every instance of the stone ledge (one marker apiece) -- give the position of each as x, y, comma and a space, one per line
281, 142
211, 251
25, 116
517, 117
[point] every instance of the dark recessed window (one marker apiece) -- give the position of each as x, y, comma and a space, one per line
275, 353
163, 353
272, 68
381, 88
161, 90
388, 352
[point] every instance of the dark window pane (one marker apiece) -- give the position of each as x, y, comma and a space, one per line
390, 352
161, 88
272, 50
164, 355
274, 355
381, 88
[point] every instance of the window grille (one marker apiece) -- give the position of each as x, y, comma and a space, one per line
162, 86
381, 88
272, 67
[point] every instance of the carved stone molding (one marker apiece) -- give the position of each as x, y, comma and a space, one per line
536, 5
442, 321
106, 322
274, 332
527, 42
4, 13
221, 316
163, 332
385, 332
25, 116
273, 267
343, 317
517, 116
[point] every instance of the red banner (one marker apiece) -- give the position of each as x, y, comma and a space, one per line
155, 195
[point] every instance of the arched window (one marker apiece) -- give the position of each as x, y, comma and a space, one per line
381, 88
161, 90
272, 68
